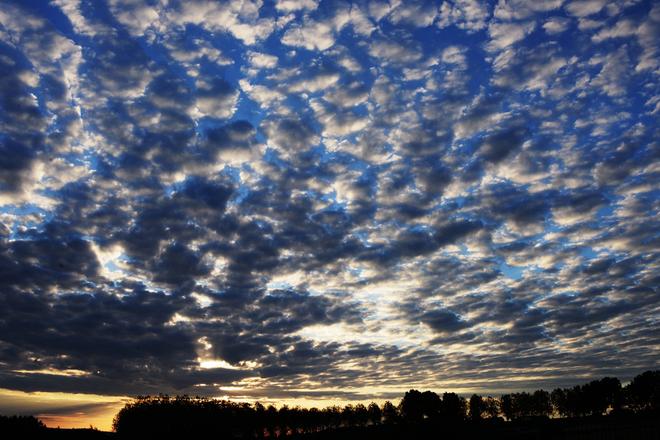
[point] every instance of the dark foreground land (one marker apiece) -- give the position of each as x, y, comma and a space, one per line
605, 428
553, 429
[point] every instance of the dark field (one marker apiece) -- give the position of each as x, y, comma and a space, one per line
634, 428
538, 430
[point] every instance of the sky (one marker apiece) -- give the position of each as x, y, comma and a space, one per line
313, 202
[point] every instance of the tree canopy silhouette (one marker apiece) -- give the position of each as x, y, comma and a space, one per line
25, 426
189, 417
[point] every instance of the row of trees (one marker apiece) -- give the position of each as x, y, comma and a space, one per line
200, 415
25, 426
417, 406
190, 416
595, 398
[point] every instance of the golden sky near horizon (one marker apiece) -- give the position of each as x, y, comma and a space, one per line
66, 410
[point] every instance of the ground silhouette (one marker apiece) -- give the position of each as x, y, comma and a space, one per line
600, 409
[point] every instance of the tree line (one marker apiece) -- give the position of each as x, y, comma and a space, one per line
146, 416
28, 425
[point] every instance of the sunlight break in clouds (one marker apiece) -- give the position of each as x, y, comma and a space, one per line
302, 201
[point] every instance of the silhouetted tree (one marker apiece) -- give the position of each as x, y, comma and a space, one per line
416, 406
559, 400
410, 406
360, 414
643, 392
453, 407
333, 414
541, 405
476, 407
516, 405
283, 419
390, 414
506, 406
27, 427
348, 415
259, 420
182, 416
575, 405
432, 404
271, 420
375, 414
599, 395
491, 407
296, 417
522, 404
593, 398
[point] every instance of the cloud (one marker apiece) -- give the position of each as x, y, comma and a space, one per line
419, 15
556, 25
190, 52
645, 31
614, 75
121, 69
443, 321
316, 80
296, 5
578, 207
504, 34
288, 135
336, 121
263, 95
321, 33
394, 51
470, 15
262, 60
311, 36
234, 143
240, 19
483, 112
498, 146
216, 98
135, 15
73, 10
46, 261
520, 9
19, 147
583, 8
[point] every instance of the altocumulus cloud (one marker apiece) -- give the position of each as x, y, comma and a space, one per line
308, 199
